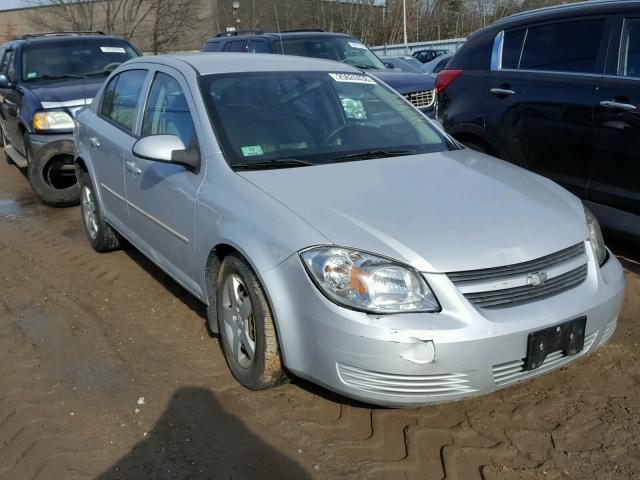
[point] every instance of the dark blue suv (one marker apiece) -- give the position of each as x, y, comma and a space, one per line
417, 88
44, 80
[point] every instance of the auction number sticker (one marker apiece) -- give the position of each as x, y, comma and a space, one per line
251, 150
357, 45
112, 50
352, 78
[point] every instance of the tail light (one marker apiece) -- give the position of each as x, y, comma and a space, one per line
446, 78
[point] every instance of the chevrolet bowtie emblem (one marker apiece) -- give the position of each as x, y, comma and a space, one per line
536, 279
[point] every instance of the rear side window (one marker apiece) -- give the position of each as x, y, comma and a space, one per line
512, 48
629, 63
259, 46
563, 47
211, 47
120, 99
236, 46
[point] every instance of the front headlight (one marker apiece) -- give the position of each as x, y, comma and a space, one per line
367, 282
52, 121
595, 237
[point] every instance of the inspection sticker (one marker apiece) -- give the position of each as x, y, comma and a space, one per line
357, 45
251, 150
112, 50
352, 78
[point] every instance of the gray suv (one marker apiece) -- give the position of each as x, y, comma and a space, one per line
334, 232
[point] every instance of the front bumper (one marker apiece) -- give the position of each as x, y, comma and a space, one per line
409, 359
42, 148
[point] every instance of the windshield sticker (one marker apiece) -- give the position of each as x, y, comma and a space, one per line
31, 75
112, 50
357, 45
252, 150
352, 78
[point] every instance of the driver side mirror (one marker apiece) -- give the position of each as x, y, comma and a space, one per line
167, 149
389, 65
5, 82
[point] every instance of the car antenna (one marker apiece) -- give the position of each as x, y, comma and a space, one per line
275, 9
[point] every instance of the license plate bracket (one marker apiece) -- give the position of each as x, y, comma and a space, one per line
568, 337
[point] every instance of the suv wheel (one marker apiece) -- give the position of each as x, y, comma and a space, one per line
247, 332
477, 146
101, 236
53, 179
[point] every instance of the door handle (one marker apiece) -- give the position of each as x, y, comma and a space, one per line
502, 92
94, 141
618, 105
133, 167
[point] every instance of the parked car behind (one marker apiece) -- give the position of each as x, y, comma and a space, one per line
436, 65
333, 232
403, 63
557, 91
44, 80
418, 89
427, 54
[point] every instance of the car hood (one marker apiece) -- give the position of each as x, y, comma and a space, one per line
404, 82
440, 212
66, 92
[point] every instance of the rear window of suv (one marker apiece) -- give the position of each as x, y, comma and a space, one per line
561, 47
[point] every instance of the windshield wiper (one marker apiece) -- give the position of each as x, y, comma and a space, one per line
57, 77
369, 155
268, 164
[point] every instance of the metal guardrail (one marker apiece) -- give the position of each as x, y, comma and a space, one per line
399, 49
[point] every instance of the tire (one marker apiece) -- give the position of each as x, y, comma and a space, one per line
237, 284
53, 189
101, 236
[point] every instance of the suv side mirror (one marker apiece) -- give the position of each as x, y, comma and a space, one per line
166, 149
389, 65
5, 82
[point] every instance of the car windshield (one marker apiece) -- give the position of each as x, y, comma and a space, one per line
80, 58
342, 49
283, 119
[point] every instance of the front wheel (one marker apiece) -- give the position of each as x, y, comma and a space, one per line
101, 236
246, 326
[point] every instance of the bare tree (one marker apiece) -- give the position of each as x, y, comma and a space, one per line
63, 15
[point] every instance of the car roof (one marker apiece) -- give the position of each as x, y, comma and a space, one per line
206, 63
277, 36
573, 9
70, 37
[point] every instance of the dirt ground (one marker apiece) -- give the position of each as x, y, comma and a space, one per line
107, 371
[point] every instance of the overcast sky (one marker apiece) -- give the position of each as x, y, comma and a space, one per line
7, 4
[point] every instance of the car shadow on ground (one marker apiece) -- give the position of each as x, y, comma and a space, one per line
195, 439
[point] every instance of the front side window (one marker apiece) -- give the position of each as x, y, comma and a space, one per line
120, 98
167, 111
5, 61
629, 62
563, 47
342, 49
78, 58
313, 117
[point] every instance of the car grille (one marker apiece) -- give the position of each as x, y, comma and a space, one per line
405, 385
421, 99
509, 286
510, 372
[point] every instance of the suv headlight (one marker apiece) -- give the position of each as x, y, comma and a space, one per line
367, 282
595, 237
52, 121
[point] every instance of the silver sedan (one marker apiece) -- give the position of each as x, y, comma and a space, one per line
337, 234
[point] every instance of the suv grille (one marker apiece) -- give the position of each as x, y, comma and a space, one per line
521, 283
422, 99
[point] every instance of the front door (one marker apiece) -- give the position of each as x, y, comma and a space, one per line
615, 160
10, 104
109, 136
162, 196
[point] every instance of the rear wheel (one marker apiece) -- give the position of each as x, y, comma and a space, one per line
247, 331
101, 236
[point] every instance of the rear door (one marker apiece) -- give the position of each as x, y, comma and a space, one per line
162, 196
110, 135
540, 96
615, 160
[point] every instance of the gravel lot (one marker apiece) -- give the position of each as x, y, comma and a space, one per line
107, 371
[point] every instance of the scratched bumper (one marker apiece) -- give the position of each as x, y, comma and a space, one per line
411, 359
44, 147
